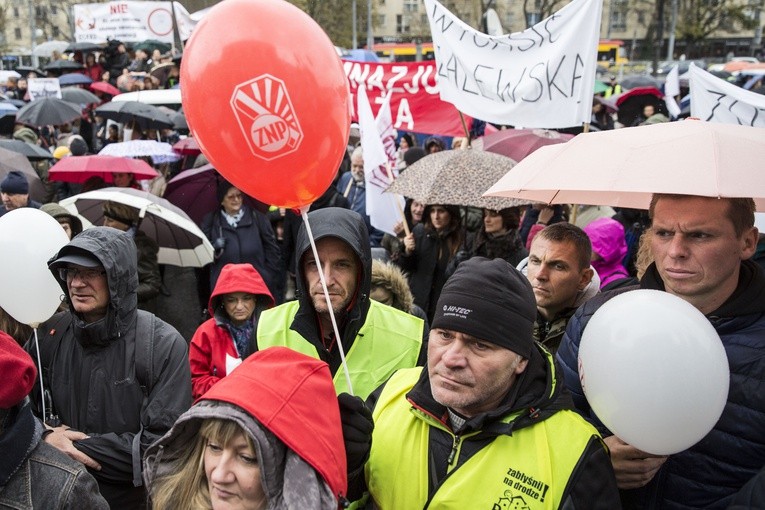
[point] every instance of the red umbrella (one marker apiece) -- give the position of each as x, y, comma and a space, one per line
80, 168
516, 144
106, 88
187, 147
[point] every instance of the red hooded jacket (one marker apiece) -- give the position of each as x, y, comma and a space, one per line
212, 344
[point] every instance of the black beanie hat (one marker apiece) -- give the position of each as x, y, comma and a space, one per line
489, 300
15, 183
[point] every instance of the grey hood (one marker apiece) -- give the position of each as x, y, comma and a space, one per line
117, 253
348, 226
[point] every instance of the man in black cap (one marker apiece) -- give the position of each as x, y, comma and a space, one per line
115, 378
14, 190
486, 424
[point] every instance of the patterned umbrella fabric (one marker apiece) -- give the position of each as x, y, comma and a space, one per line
48, 111
456, 177
516, 144
159, 152
81, 168
181, 242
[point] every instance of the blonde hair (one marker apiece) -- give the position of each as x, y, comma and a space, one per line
185, 485
644, 257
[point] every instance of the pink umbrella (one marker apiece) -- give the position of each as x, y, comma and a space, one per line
516, 144
106, 88
187, 147
625, 167
80, 168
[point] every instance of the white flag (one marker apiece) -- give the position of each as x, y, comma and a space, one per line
672, 83
716, 100
381, 207
541, 77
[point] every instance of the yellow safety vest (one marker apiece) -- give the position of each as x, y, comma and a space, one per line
389, 339
528, 470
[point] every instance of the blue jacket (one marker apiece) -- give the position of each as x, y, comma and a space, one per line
709, 474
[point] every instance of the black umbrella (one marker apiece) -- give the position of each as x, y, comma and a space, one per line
79, 96
129, 112
32, 152
632, 102
83, 46
149, 45
63, 65
10, 161
25, 70
48, 111
639, 80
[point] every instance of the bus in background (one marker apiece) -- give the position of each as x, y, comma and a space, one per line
403, 52
611, 52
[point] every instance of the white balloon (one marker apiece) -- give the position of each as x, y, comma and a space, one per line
28, 239
654, 371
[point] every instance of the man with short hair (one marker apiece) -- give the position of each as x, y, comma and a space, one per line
376, 339
560, 274
352, 185
115, 378
486, 424
14, 191
702, 248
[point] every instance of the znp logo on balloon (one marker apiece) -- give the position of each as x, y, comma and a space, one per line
266, 117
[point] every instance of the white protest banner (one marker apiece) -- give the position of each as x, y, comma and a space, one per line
542, 77
39, 88
129, 21
716, 100
379, 170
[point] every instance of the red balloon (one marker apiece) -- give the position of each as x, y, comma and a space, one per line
266, 97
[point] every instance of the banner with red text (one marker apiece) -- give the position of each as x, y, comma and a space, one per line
130, 21
415, 104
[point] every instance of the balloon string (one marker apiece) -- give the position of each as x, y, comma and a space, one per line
39, 372
304, 214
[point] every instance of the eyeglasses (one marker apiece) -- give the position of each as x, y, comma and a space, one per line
86, 275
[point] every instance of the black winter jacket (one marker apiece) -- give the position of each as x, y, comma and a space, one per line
92, 377
710, 473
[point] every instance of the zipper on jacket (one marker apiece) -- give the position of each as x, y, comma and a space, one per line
455, 450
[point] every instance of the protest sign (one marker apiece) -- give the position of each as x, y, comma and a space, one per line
414, 102
716, 100
40, 88
130, 21
542, 77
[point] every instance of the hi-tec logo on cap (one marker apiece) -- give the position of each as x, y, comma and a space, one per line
266, 116
456, 311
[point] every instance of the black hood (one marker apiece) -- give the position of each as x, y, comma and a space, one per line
117, 253
349, 227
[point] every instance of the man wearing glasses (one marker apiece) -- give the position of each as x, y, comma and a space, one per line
115, 378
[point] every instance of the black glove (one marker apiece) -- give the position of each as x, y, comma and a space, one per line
357, 430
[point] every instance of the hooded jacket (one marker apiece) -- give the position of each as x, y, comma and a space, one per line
347, 226
212, 350
537, 399
607, 238
286, 403
92, 377
708, 474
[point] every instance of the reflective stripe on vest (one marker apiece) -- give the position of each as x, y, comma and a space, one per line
389, 339
529, 469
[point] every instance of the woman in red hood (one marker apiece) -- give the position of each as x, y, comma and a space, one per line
268, 437
221, 343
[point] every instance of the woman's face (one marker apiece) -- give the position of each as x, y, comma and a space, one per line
439, 217
239, 306
417, 208
233, 475
232, 202
492, 222
122, 180
403, 144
